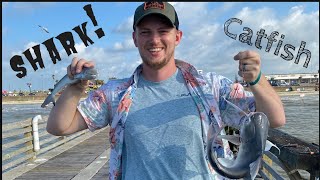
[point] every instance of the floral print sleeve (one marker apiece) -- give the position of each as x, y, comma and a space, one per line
96, 108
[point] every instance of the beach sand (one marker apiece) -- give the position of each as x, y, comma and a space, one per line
297, 93
26, 102
23, 102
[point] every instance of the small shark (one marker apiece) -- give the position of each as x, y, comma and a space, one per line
253, 142
85, 74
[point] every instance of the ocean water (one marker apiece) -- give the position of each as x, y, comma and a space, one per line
302, 115
20, 112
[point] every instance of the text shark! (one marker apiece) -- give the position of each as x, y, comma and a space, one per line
67, 41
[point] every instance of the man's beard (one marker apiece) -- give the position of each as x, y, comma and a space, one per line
156, 65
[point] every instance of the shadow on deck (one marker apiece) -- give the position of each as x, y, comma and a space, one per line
87, 160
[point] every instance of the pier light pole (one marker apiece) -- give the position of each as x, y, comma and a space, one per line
53, 79
42, 83
29, 85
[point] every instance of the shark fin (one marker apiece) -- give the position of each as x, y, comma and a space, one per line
48, 100
269, 145
234, 139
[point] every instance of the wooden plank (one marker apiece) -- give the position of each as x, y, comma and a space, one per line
17, 152
43, 133
47, 140
271, 171
29, 143
103, 173
51, 146
42, 126
26, 167
15, 125
77, 134
15, 143
267, 160
17, 161
94, 167
58, 143
80, 133
276, 160
263, 175
16, 132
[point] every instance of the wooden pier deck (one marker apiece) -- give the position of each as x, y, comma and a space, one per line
87, 160
86, 157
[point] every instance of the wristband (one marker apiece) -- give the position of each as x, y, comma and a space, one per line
255, 81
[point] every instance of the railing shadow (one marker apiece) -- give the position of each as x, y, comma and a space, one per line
24, 141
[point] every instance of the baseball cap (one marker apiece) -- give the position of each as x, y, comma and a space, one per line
156, 7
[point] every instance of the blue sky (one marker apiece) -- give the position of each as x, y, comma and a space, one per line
204, 43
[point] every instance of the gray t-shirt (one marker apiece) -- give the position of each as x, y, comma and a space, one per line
162, 136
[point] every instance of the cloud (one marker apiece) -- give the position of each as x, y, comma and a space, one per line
306, 26
261, 18
125, 27
126, 45
30, 45
190, 13
207, 47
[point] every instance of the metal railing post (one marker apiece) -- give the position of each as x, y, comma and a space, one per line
35, 133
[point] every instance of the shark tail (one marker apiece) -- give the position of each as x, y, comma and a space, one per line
48, 100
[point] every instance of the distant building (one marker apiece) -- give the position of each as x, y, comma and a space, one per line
294, 79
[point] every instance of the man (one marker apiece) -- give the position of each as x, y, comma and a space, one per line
160, 116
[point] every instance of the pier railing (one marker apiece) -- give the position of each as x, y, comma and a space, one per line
23, 141
296, 160
295, 154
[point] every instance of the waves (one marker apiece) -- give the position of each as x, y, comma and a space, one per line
302, 114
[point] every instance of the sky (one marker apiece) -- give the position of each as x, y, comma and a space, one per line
204, 42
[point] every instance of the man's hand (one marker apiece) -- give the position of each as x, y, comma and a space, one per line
76, 67
64, 117
249, 65
266, 98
